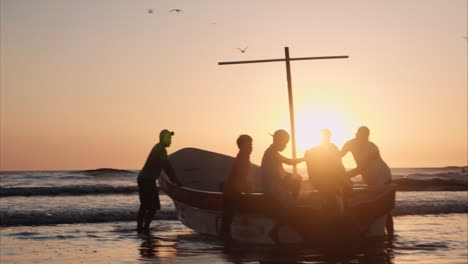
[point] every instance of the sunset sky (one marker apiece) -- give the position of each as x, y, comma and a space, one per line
89, 84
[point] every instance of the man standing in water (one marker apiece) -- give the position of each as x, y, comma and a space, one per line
235, 184
279, 186
369, 163
149, 198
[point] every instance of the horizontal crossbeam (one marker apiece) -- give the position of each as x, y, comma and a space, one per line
275, 60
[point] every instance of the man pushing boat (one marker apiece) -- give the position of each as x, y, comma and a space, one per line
327, 173
280, 187
235, 184
148, 192
370, 165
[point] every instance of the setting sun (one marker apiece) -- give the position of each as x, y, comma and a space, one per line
312, 118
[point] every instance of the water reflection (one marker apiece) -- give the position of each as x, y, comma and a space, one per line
375, 251
154, 247
193, 247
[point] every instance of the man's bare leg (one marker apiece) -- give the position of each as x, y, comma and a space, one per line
149, 218
140, 219
389, 225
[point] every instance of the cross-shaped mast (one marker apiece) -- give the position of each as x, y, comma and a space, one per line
287, 59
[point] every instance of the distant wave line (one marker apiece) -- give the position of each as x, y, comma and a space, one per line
403, 184
67, 190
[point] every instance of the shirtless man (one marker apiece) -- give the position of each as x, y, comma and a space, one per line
235, 184
369, 163
279, 186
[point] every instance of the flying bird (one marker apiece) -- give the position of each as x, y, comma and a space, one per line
176, 10
150, 11
242, 50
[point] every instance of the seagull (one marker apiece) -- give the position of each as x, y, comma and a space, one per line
175, 10
150, 11
242, 50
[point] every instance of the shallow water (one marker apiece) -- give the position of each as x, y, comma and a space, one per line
88, 217
37, 210
419, 239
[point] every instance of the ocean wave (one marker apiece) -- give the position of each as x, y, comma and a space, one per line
427, 209
456, 167
67, 190
29, 218
104, 171
433, 184
403, 184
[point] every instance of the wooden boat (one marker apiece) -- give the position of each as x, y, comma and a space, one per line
199, 205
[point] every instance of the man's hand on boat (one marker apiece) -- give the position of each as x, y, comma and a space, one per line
176, 182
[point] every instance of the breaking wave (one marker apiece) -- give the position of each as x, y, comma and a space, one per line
434, 184
403, 184
67, 190
19, 218
102, 171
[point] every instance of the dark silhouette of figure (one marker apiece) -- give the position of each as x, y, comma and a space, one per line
370, 165
235, 184
150, 11
279, 186
148, 192
326, 171
176, 10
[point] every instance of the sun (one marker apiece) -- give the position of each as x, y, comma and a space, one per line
311, 119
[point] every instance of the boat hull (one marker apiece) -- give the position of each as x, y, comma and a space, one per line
360, 214
251, 222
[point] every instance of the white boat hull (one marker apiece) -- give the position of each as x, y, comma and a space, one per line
199, 205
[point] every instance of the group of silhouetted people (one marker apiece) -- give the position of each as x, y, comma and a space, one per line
324, 166
325, 169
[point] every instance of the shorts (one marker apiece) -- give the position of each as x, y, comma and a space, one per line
149, 196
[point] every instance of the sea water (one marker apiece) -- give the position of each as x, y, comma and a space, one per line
89, 217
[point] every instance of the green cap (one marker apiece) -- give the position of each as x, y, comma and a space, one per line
166, 132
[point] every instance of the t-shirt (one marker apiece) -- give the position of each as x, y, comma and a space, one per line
272, 171
236, 183
153, 165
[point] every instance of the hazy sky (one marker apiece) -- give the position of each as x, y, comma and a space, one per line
89, 84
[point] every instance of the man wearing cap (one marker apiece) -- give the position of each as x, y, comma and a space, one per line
149, 199
278, 185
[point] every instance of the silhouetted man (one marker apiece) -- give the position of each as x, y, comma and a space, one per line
324, 165
369, 163
149, 198
279, 186
235, 184
326, 171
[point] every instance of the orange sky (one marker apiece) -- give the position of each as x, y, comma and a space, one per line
89, 84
